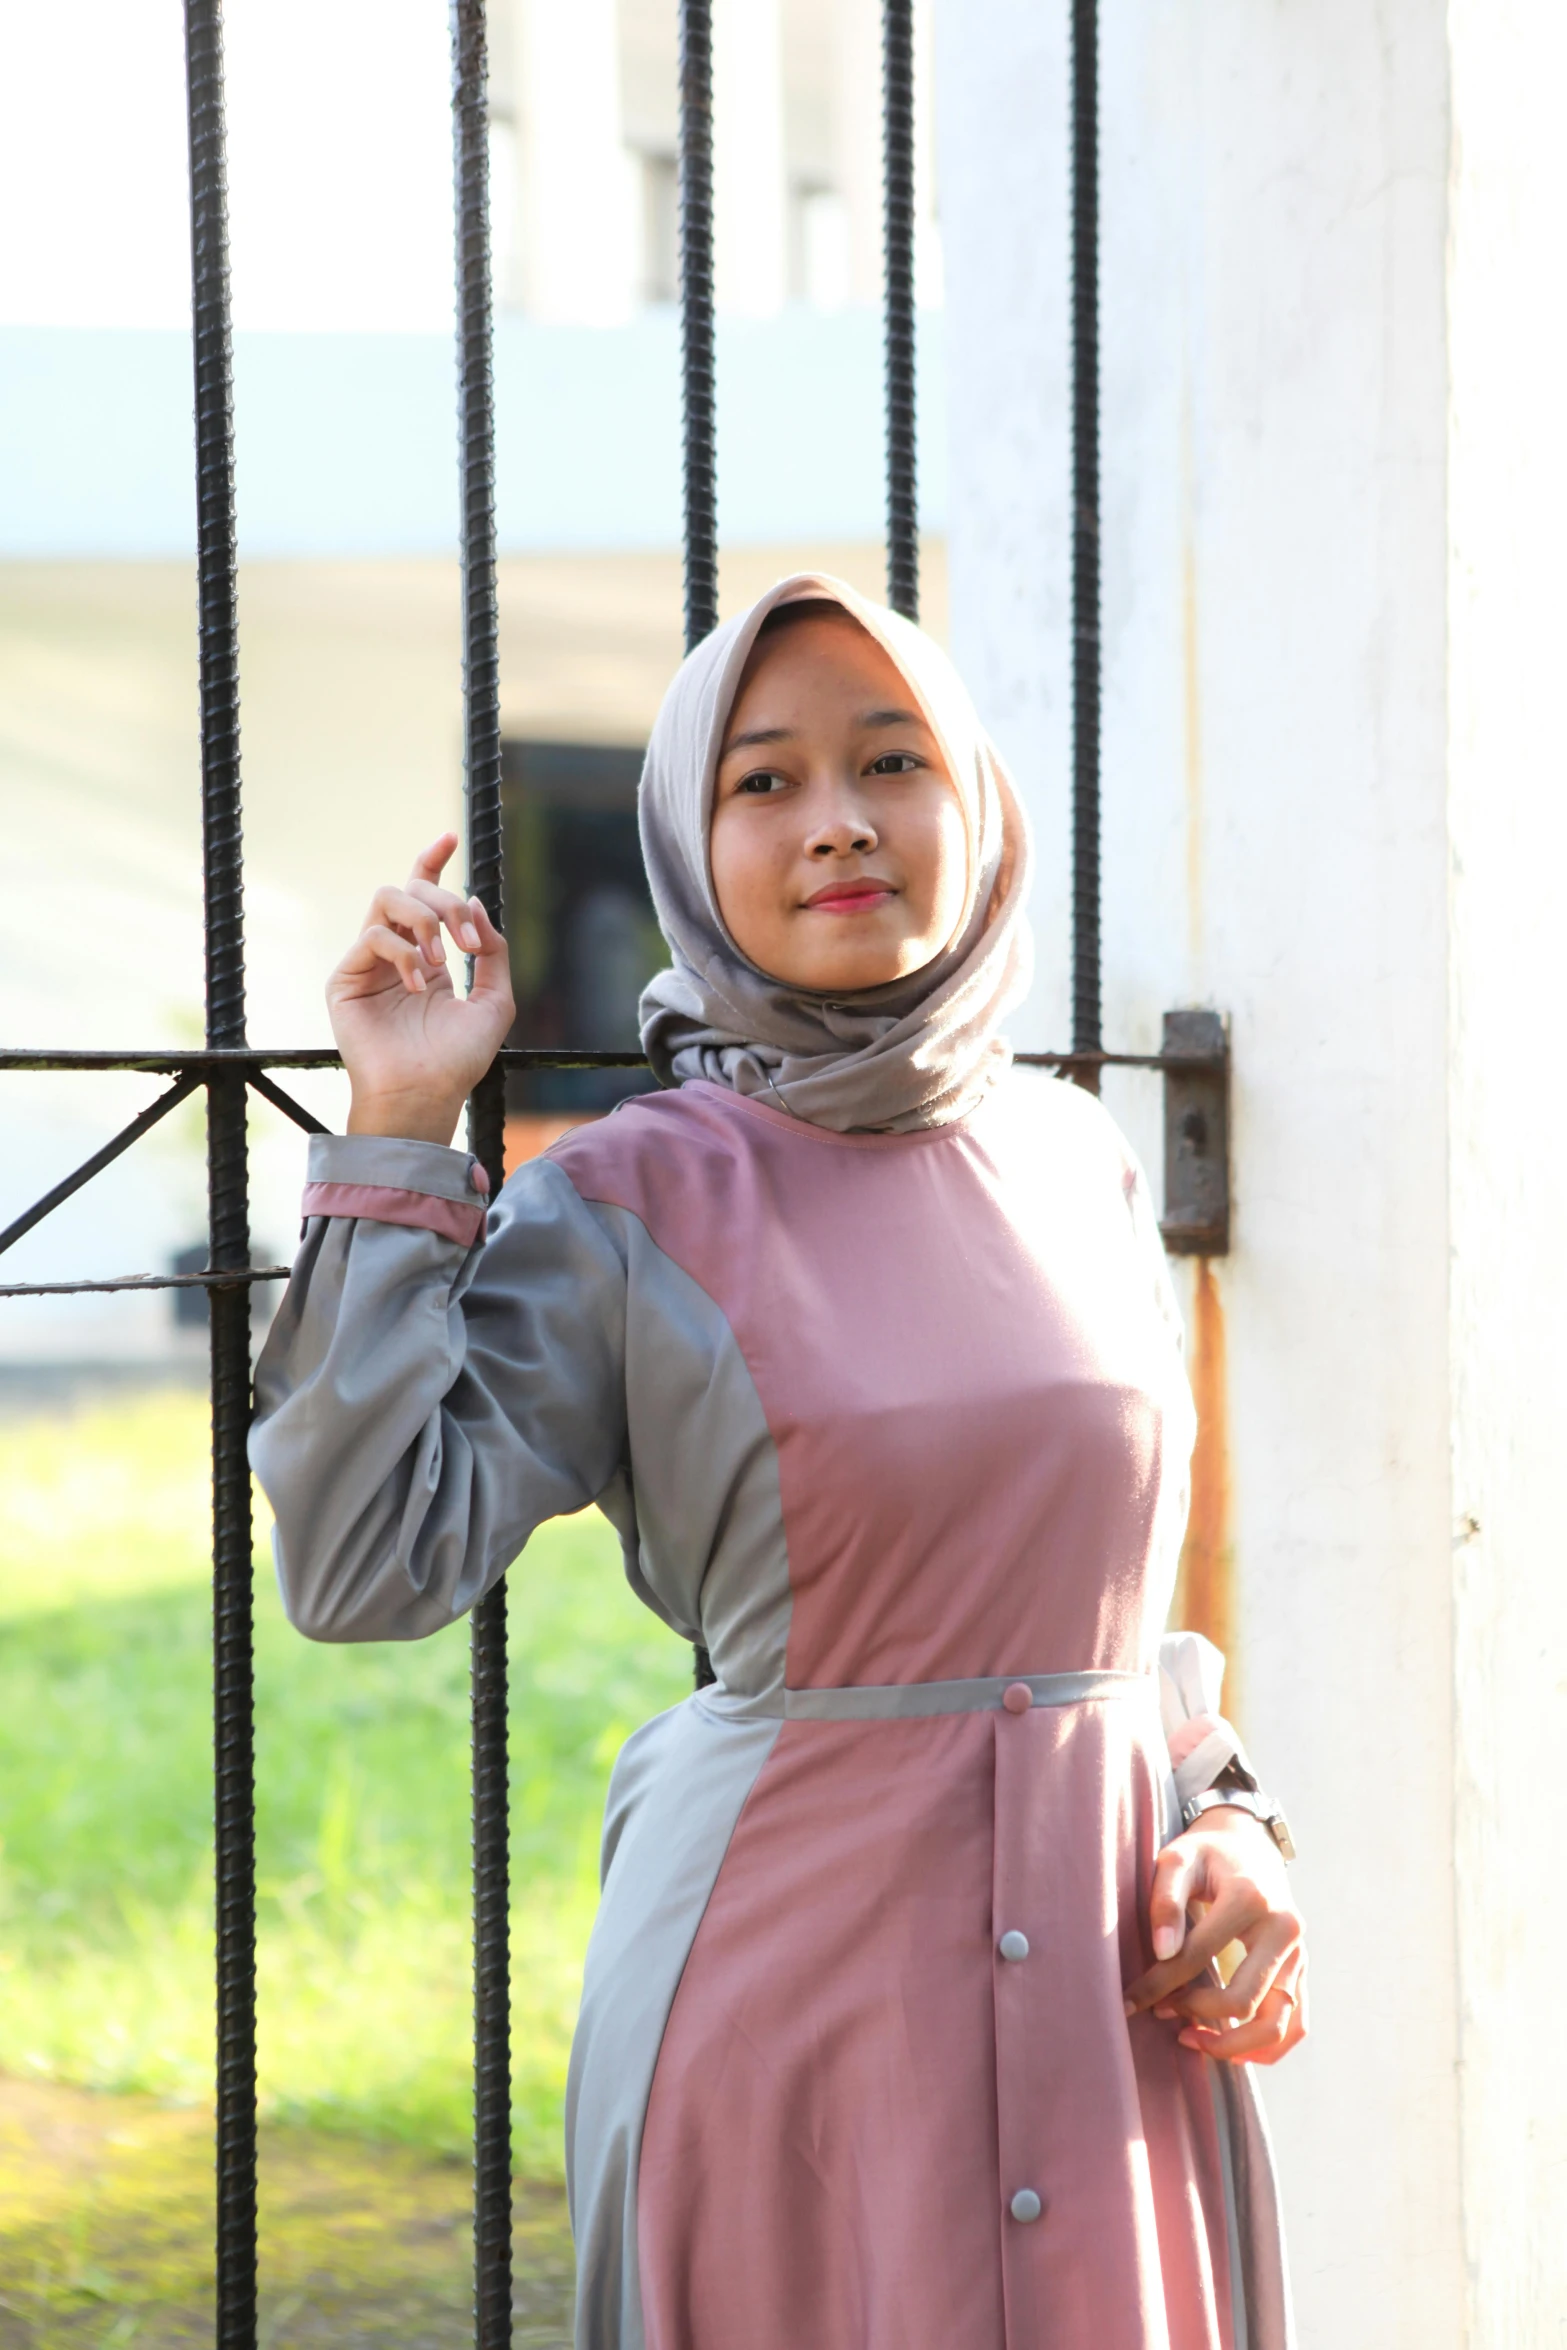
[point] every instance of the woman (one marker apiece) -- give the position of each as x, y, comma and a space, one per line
895, 2032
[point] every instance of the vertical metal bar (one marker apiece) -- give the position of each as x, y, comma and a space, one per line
486, 1139
699, 383
227, 1187
698, 369
903, 544
1086, 683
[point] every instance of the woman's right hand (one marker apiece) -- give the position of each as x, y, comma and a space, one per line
413, 1047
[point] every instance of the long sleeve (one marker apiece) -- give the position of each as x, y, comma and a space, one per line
428, 1394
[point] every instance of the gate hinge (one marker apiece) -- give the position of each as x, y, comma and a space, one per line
1196, 1219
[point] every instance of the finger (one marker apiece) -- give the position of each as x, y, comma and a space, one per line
1207, 2002
1234, 1917
456, 912
1271, 1947
1278, 2026
403, 911
427, 865
492, 962
1285, 1999
1174, 1880
1270, 1950
376, 944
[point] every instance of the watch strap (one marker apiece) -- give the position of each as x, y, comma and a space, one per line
1250, 1799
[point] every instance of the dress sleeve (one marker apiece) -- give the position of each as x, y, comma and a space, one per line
431, 1392
1202, 1743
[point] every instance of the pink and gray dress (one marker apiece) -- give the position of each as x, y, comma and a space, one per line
896, 1424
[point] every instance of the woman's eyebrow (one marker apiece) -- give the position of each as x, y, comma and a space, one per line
891, 718
758, 734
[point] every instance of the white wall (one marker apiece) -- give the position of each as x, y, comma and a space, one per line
1508, 823
1291, 835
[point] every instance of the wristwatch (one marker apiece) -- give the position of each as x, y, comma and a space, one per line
1248, 1799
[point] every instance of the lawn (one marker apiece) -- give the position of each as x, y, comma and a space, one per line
362, 1835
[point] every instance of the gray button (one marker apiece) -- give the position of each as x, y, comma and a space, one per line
1026, 2204
1013, 1945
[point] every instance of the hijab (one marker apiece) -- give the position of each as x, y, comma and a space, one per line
917, 1052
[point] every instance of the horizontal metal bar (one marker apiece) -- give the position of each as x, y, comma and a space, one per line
286, 1103
204, 1061
100, 1159
235, 1279
161, 1062
165, 1064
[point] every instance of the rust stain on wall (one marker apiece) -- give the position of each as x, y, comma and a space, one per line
1205, 1588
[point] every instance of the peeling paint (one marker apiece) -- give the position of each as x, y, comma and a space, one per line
1205, 1588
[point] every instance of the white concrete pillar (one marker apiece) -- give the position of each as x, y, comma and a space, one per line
1335, 499
750, 187
576, 241
1507, 824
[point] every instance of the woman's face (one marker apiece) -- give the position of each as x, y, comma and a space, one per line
839, 850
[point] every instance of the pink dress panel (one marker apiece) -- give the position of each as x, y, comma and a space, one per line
968, 1453
816, 2169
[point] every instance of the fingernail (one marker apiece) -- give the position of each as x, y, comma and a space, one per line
1164, 1942
1131, 2007
416, 981
470, 938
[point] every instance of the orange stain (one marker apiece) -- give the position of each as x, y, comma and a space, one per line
1205, 1589
528, 1136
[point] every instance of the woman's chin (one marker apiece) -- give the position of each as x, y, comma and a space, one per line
854, 973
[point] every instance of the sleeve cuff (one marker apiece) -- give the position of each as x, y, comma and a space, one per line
384, 1180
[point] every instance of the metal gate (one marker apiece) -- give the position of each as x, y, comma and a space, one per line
1194, 1060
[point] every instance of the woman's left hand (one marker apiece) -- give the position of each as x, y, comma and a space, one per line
1229, 1871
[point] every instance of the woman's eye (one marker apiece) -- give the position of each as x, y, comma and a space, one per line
895, 763
766, 779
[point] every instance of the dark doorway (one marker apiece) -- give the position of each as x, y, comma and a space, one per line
584, 941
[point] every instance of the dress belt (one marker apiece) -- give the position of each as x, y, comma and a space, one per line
896, 1701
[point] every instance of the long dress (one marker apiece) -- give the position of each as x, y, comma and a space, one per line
897, 1426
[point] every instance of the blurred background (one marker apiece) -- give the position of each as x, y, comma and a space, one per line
1335, 811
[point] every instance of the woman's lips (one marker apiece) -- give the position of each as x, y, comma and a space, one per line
849, 897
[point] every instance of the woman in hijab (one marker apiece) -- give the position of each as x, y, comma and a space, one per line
900, 2029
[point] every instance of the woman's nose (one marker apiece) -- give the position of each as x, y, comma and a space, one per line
843, 831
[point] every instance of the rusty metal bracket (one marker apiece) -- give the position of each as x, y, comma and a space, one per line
1196, 1220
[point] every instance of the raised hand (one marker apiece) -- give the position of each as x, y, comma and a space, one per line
413, 1047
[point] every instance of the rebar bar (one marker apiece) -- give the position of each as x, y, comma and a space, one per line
699, 410
1086, 675
903, 545
227, 1185
486, 1125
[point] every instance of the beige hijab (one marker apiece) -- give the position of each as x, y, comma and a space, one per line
921, 1051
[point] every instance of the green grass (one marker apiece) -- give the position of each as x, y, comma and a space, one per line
362, 1830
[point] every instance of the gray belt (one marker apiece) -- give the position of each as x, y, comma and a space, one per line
896, 1701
